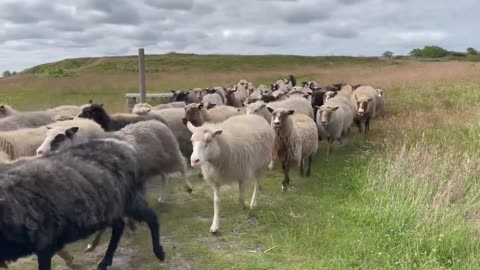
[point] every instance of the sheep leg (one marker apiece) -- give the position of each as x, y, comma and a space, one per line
66, 256
301, 167
286, 177
309, 170
367, 125
188, 184
148, 215
44, 259
163, 185
216, 209
241, 189
253, 202
91, 247
359, 125
117, 229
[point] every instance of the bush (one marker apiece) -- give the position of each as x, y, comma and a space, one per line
429, 52
6, 73
59, 73
388, 54
472, 51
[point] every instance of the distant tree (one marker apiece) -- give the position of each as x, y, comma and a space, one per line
388, 54
6, 73
14, 73
472, 51
429, 52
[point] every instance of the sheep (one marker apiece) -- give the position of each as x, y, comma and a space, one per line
311, 84
334, 119
213, 99
317, 100
259, 108
365, 100
296, 141
380, 110
26, 120
299, 104
292, 80
187, 97
104, 175
198, 115
232, 151
219, 91
115, 122
24, 142
176, 104
329, 94
6, 110
264, 90
233, 98
67, 110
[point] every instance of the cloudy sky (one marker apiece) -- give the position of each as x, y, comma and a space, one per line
38, 31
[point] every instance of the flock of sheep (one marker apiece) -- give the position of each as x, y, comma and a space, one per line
72, 171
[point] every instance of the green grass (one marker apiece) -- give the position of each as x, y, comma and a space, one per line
405, 197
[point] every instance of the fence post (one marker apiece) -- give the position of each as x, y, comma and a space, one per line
141, 75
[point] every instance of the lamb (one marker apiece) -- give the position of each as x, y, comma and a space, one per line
26, 120
259, 108
176, 104
24, 142
380, 110
198, 115
296, 141
229, 152
97, 113
298, 104
34, 220
365, 99
334, 119
6, 110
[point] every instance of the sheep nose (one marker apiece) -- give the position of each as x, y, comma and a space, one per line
323, 122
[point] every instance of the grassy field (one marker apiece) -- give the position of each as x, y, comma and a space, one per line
405, 197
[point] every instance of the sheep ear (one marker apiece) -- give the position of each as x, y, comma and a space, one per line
173, 91
263, 106
290, 112
90, 101
335, 108
71, 131
217, 132
370, 99
184, 120
270, 109
48, 127
200, 106
191, 127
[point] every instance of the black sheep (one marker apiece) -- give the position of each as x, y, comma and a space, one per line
115, 122
57, 199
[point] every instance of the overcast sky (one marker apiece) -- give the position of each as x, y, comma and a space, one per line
38, 31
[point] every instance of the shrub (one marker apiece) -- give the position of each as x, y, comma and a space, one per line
429, 52
472, 51
388, 54
6, 73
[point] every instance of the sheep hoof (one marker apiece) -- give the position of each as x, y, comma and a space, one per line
284, 188
214, 230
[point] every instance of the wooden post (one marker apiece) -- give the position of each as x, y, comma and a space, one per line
141, 75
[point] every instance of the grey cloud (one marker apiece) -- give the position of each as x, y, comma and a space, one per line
37, 31
171, 4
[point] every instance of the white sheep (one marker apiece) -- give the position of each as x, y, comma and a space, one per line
296, 141
234, 151
380, 110
6, 110
334, 119
213, 99
176, 104
233, 98
298, 104
259, 108
24, 142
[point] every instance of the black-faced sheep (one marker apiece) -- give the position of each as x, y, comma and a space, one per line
115, 122
296, 141
232, 152
187, 97
96, 185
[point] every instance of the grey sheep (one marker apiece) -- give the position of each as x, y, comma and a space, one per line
96, 185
